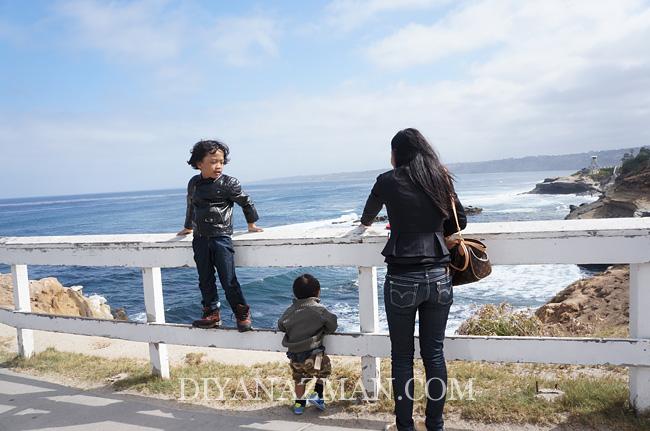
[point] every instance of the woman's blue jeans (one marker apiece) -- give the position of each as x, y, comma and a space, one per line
430, 294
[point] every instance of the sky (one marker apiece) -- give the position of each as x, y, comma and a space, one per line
105, 96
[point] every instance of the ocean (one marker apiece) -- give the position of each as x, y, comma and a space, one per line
268, 290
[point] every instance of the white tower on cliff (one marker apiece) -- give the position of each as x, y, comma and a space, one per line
594, 164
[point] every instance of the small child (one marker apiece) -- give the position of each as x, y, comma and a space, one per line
210, 199
304, 324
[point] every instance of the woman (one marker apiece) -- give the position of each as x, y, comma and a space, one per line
417, 194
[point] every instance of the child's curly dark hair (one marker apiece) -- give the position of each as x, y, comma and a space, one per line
306, 286
202, 148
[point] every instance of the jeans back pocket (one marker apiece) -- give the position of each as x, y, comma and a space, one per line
445, 291
402, 294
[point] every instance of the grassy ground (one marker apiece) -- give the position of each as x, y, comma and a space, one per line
594, 396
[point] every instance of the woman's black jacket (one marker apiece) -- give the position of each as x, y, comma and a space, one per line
417, 226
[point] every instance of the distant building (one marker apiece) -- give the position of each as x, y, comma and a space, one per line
594, 165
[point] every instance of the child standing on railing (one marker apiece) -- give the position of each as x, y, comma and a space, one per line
304, 324
211, 196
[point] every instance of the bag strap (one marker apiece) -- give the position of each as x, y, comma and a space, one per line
461, 241
453, 208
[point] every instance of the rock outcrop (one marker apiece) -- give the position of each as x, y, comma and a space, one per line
471, 210
578, 183
49, 296
629, 196
600, 305
593, 306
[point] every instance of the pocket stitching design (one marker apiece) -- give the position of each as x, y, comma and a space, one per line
402, 295
449, 290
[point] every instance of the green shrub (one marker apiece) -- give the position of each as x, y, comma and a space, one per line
602, 174
636, 164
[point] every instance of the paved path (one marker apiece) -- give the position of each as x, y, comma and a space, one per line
30, 403
27, 403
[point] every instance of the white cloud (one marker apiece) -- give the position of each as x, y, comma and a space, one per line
243, 41
174, 47
558, 77
143, 31
553, 28
552, 76
350, 14
159, 32
476, 26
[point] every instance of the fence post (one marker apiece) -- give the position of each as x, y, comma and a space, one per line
25, 337
154, 306
640, 328
369, 322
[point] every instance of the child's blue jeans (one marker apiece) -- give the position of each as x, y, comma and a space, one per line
218, 253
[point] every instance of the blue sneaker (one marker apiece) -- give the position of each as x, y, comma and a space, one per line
298, 409
316, 401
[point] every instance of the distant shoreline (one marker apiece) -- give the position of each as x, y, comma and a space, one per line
543, 163
341, 176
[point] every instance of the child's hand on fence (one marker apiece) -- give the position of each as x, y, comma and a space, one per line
184, 232
253, 228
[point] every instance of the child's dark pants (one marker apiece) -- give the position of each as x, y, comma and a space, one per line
217, 252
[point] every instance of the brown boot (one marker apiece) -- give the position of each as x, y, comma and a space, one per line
243, 315
209, 319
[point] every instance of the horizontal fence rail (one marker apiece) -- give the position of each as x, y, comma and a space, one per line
545, 350
602, 241
606, 241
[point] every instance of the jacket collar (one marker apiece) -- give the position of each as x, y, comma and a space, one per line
210, 180
311, 299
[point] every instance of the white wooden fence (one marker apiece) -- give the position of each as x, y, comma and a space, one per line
624, 241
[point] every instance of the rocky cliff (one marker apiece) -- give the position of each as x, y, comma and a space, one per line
629, 196
578, 183
596, 306
49, 296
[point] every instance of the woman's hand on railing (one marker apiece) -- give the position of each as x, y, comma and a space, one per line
184, 232
358, 230
253, 228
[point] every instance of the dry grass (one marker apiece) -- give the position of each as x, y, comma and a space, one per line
501, 392
502, 320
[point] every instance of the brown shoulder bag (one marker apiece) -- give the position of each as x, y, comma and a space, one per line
469, 258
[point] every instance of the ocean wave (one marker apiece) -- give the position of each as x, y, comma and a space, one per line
85, 200
138, 317
514, 210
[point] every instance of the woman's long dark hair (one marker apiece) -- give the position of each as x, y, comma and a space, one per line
412, 151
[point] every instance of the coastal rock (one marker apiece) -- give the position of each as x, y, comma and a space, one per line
119, 313
600, 305
628, 196
578, 183
470, 210
49, 296
595, 306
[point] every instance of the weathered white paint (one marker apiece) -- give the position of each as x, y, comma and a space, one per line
369, 323
314, 244
556, 241
546, 350
640, 328
155, 309
25, 337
